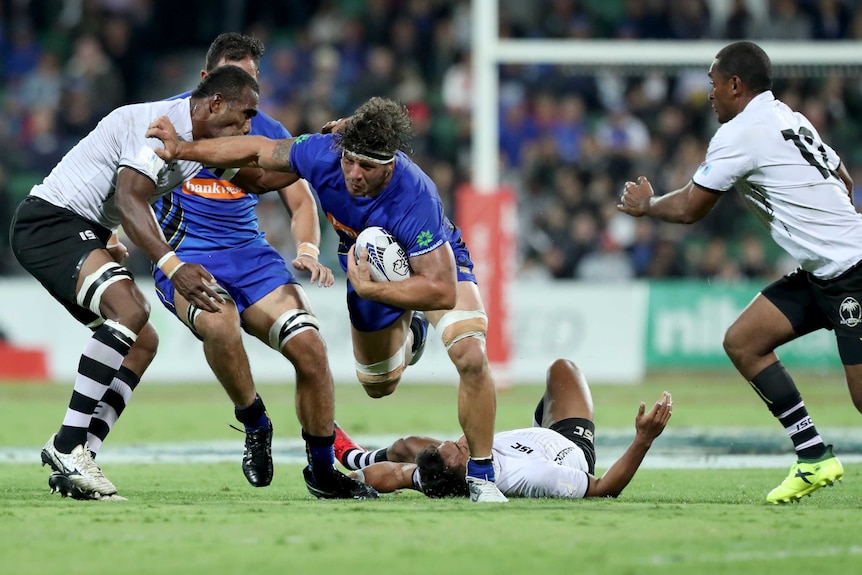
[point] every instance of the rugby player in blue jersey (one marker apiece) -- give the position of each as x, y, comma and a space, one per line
363, 178
211, 220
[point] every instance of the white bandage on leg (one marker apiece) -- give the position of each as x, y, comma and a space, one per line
122, 331
459, 324
382, 372
95, 284
290, 324
194, 311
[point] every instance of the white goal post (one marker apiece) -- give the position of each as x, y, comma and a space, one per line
487, 210
489, 51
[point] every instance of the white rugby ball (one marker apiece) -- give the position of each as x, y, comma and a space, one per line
387, 259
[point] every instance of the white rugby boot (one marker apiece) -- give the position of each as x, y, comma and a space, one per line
484, 491
79, 468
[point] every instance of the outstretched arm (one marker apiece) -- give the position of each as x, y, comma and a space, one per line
229, 152
648, 426
683, 206
387, 476
259, 181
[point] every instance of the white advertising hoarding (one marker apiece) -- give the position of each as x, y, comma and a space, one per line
601, 327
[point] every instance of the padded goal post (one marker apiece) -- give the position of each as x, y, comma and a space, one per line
488, 197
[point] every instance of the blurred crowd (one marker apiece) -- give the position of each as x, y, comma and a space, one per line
569, 136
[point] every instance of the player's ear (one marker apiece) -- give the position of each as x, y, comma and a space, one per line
216, 103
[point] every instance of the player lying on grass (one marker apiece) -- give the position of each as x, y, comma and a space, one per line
554, 458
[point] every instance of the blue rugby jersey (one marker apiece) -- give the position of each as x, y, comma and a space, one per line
208, 213
409, 207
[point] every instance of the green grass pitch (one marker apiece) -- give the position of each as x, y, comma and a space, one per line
203, 518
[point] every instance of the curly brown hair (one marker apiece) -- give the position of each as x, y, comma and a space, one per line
380, 127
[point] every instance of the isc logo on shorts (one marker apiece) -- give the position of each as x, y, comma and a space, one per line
87, 235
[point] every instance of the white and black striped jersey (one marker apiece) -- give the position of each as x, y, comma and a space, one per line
539, 462
775, 158
85, 179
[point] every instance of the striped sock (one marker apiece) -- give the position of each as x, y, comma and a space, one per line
777, 389
799, 427
111, 407
357, 458
97, 368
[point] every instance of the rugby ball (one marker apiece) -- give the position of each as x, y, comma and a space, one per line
387, 260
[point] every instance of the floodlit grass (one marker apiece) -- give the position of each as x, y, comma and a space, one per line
204, 518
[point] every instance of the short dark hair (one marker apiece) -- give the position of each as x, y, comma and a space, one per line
749, 62
380, 126
232, 47
229, 81
438, 480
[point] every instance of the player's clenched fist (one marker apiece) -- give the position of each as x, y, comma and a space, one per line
636, 197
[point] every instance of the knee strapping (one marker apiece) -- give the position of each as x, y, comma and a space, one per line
382, 372
290, 324
95, 284
121, 332
458, 324
194, 311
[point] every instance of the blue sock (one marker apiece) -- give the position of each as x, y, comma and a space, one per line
481, 468
320, 452
254, 416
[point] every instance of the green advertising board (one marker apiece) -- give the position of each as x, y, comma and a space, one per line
687, 320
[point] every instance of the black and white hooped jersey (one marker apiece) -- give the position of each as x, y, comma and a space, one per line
539, 462
84, 181
788, 177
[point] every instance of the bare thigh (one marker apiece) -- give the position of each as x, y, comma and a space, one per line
260, 316
374, 346
567, 394
469, 299
122, 301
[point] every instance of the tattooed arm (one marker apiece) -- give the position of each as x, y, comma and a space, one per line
230, 152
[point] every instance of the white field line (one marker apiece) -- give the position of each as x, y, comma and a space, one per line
749, 556
676, 449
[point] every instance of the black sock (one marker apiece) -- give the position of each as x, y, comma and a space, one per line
320, 453
254, 416
777, 389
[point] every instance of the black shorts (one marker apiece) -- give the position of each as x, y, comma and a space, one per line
582, 433
52, 243
810, 304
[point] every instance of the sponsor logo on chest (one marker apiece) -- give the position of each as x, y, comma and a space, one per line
213, 189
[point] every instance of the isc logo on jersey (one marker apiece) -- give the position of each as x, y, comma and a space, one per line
387, 259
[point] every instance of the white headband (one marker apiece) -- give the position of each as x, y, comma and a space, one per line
382, 158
